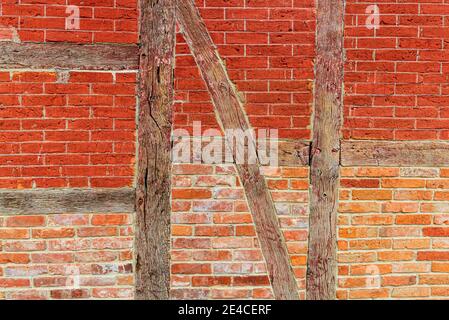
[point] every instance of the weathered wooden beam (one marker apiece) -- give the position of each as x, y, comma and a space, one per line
290, 153
68, 56
294, 153
325, 153
395, 153
231, 115
57, 201
157, 36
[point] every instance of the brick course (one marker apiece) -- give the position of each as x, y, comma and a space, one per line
67, 130
396, 76
113, 21
268, 50
392, 233
66, 256
215, 251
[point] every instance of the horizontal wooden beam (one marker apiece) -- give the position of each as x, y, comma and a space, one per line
68, 56
361, 153
294, 153
395, 153
290, 153
54, 201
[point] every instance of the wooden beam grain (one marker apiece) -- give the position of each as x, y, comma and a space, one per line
55, 201
294, 153
395, 153
230, 113
325, 153
153, 207
68, 56
290, 153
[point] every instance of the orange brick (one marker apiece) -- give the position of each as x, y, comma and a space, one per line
411, 243
181, 230
110, 219
371, 195
369, 293
53, 233
395, 281
433, 255
400, 207
377, 172
395, 255
214, 231
412, 195
373, 219
436, 232
434, 279
191, 268
295, 172
369, 244
358, 207
411, 292
25, 221
413, 219
440, 267
357, 232
403, 183
191, 194
14, 233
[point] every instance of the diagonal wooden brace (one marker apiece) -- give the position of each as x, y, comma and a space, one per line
231, 115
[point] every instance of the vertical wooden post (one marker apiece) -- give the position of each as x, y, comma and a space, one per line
325, 155
230, 115
157, 42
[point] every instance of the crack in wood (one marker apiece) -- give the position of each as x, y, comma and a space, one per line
325, 152
153, 206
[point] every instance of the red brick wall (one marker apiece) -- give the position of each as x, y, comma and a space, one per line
67, 130
396, 76
45, 21
268, 48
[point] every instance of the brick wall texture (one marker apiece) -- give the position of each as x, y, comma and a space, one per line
66, 256
67, 130
77, 129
